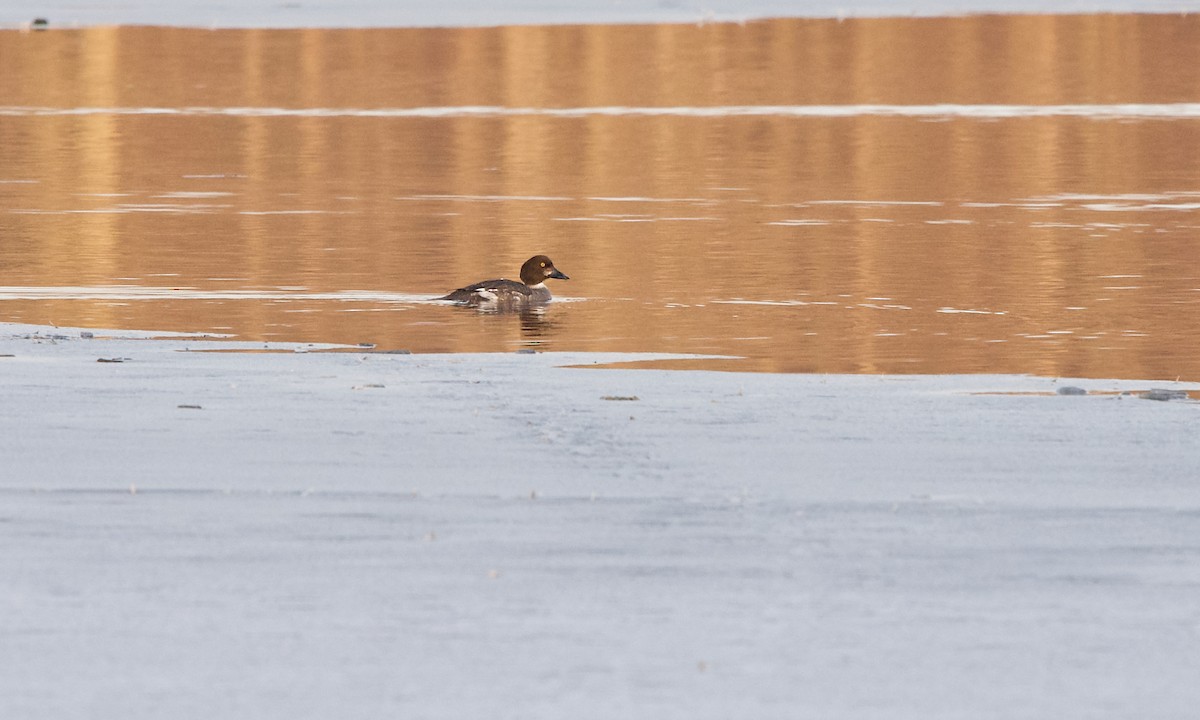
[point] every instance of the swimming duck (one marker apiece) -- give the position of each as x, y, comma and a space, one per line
503, 294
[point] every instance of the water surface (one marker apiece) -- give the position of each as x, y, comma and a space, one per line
986, 194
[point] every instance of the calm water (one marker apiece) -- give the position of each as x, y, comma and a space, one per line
989, 194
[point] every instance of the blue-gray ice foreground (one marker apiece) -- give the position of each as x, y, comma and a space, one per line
459, 13
198, 535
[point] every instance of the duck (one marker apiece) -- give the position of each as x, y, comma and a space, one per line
501, 294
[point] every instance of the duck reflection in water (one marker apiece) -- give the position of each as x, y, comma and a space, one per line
536, 325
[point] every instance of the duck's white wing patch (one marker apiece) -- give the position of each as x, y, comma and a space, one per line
486, 295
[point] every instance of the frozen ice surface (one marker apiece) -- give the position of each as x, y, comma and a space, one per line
411, 13
361, 535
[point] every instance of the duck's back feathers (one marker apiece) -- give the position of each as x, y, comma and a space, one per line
494, 291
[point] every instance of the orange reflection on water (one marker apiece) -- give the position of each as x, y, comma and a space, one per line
388, 165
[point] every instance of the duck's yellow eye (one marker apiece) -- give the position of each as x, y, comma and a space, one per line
543, 264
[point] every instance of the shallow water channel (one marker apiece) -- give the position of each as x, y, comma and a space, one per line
935, 195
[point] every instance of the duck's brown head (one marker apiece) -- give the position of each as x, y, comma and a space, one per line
539, 267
